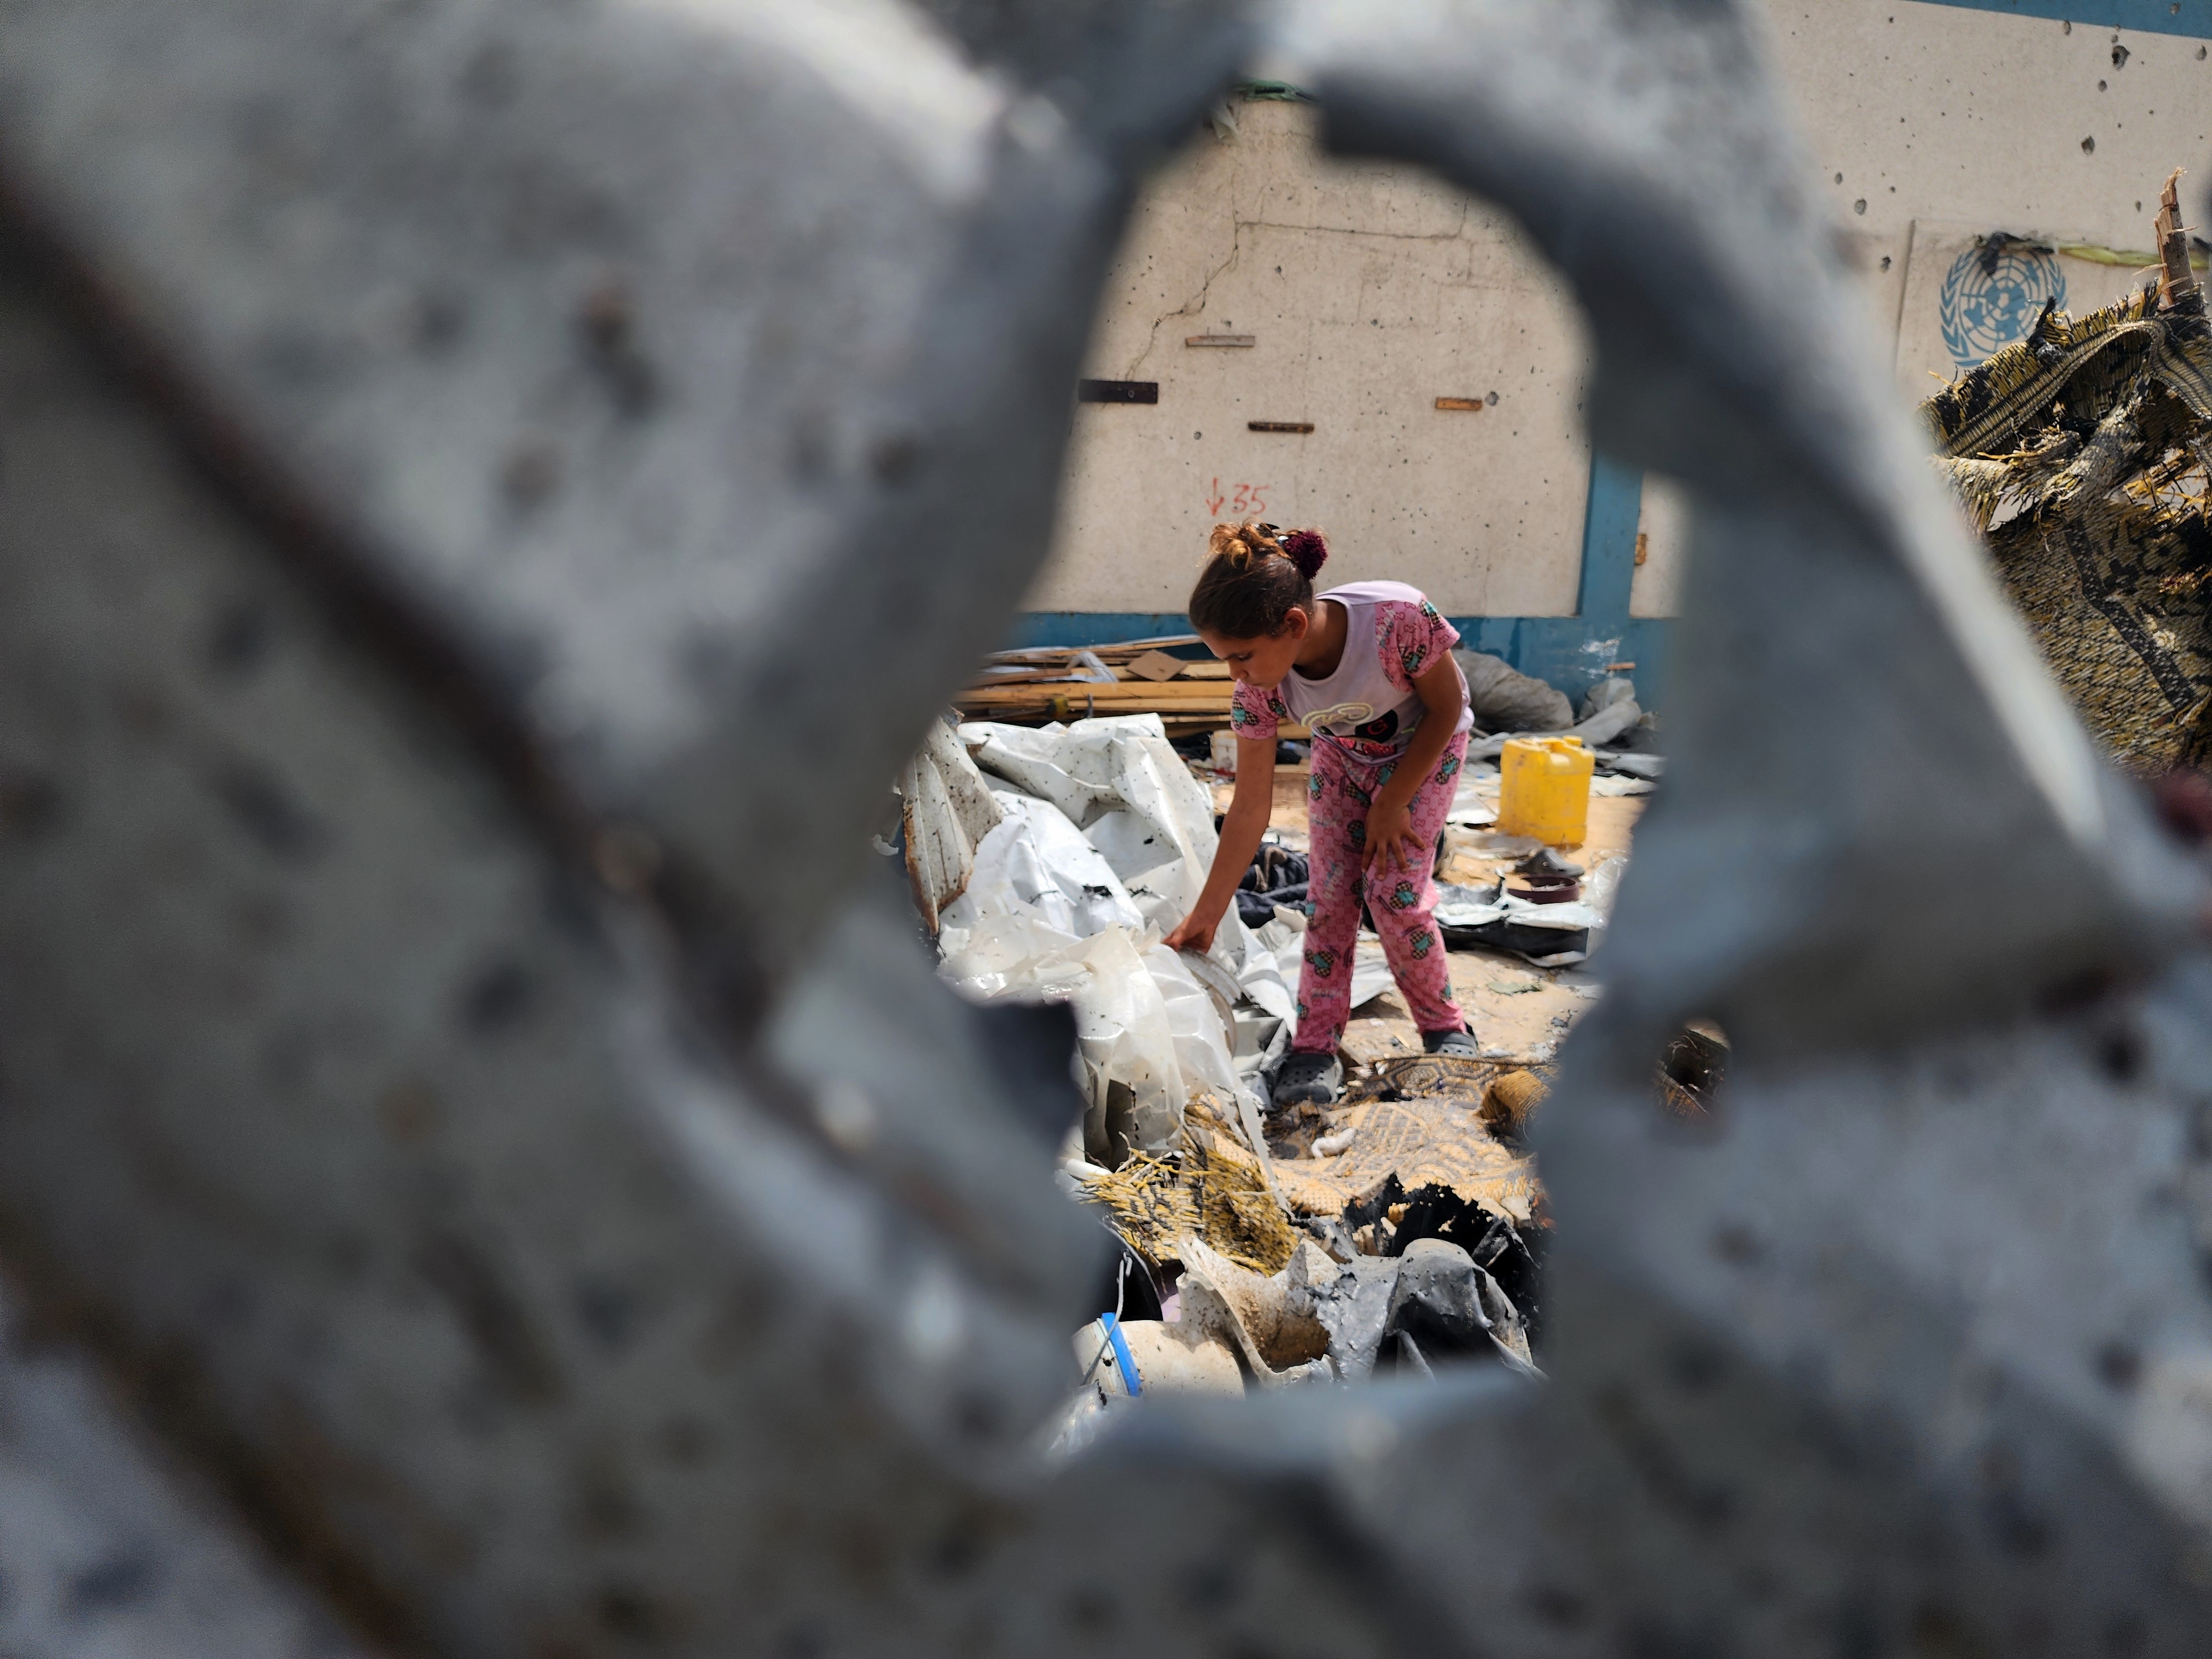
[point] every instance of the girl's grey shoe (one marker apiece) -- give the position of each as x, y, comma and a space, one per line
1315, 1078
1460, 1044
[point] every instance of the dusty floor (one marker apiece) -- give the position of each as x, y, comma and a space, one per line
1511, 1006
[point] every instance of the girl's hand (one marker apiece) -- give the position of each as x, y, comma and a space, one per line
1390, 839
1192, 935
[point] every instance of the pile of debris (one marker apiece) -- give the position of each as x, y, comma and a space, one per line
1398, 1228
2083, 454
1396, 1282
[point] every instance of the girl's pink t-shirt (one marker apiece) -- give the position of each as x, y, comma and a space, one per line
1368, 707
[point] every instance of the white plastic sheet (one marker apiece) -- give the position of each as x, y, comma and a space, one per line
1194, 1024
1121, 783
1045, 917
1129, 1047
1602, 884
1036, 865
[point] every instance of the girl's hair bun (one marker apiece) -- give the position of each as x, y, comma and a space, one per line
1240, 545
1306, 550
1255, 575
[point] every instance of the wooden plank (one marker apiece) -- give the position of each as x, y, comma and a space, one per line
1118, 651
1057, 701
1473, 406
1075, 698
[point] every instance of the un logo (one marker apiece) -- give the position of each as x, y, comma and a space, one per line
1992, 296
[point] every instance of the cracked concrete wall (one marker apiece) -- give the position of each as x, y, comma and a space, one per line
1393, 290
1371, 290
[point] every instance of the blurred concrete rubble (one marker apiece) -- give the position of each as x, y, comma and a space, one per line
489, 495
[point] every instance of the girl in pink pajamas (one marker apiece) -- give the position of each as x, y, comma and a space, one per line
1368, 669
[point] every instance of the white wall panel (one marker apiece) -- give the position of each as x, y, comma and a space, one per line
1372, 290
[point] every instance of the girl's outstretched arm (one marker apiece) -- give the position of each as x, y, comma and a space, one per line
1241, 826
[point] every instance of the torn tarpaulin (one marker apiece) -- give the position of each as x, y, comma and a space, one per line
1120, 782
1035, 866
1104, 840
1149, 1037
944, 814
1447, 1305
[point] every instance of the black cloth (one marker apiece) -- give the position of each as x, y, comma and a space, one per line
1277, 876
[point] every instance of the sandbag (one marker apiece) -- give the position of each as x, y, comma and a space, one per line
1506, 700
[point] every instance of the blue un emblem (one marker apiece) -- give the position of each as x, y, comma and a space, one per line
1992, 297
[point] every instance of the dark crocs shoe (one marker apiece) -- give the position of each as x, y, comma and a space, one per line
1315, 1078
1460, 1044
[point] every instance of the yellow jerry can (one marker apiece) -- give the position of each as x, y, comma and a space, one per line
1544, 790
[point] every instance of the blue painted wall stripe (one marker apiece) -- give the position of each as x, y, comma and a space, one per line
2189, 17
1616, 502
